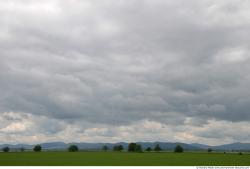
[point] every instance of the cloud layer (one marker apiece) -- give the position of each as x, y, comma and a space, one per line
96, 71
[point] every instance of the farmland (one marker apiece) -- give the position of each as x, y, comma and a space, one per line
121, 159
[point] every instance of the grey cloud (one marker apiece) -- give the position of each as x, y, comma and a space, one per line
118, 62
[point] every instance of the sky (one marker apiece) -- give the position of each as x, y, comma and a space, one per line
119, 70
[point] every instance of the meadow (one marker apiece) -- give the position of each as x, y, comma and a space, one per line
122, 159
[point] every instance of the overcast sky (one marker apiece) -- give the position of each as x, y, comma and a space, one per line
125, 70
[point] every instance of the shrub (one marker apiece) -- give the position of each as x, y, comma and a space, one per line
105, 148
118, 148
149, 149
132, 147
37, 148
6, 149
138, 148
73, 148
22, 149
178, 149
157, 148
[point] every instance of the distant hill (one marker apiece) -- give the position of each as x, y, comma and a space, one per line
54, 145
164, 145
167, 145
233, 146
202, 146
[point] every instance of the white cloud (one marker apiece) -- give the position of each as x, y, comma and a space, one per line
233, 55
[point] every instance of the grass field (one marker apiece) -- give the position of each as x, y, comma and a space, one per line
121, 159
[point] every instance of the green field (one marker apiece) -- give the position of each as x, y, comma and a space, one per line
121, 159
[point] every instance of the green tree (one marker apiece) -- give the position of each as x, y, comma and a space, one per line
149, 149
73, 148
6, 149
131, 147
157, 148
209, 150
37, 148
118, 148
22, 149
105, 148
115, 148
138, 148
178, 149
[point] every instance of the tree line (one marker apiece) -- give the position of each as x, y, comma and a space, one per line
132, 147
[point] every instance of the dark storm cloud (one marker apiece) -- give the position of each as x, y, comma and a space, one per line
119, 62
